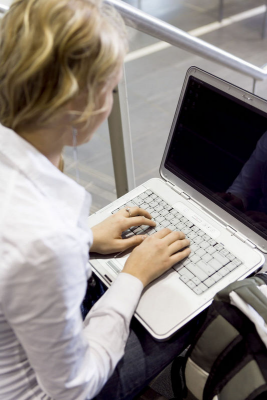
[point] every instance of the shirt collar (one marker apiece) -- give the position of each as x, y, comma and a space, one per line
45, 176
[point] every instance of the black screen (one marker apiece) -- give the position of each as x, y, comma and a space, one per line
219, 147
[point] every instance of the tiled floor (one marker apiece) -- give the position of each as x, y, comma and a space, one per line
154, 83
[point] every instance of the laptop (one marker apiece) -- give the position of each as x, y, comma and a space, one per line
213, 187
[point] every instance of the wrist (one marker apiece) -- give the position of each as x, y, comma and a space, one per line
136, 275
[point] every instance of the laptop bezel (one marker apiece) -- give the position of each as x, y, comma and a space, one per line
209, 206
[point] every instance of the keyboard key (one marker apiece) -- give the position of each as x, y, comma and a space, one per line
162, 212
198, 240
155, 214
209, 282
223, 260
201, 233
197, 290
201, 252
153, 204
160, 218
230, 256
215, 264
154, 196
167, 207
206, 237
145, 206
195, 228
237, 262
148, 230
127, 234
206, 268
224, 252
185, 230
217, 276
224, 271
204, 245
174, 221
158, 228
191, 235
158, 208
137, 230
210, 250
148, 192
231, 266
173, 212
198, 272
184, 271
144, 227
143, 195
163, 203
172, 227
189, 224
190, 284
184, 220
203, 287
207, 257
138, 201
148, 200
129, 204
218, 247
181, 226
194, 258
194, 247
212, 242
184, 278
165, 223
169, 217
196, 280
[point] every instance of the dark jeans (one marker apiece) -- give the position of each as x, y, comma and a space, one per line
144, 358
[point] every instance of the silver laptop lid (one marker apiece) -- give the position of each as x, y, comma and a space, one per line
216, 153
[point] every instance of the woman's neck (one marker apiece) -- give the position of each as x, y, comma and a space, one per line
50, 142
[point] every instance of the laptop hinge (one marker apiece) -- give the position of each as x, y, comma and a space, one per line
181, 193
241, 237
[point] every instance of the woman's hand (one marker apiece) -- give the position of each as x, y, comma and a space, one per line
157, 254
108, 234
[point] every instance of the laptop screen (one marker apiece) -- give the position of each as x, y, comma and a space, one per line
219, 146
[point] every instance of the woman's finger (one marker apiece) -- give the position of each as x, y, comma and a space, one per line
138, 221
135, 211
175, 258
178, 245
173, 236
124, 244
162, 233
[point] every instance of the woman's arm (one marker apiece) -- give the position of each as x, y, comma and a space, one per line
41, 298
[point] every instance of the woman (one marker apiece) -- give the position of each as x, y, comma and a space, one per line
59, 63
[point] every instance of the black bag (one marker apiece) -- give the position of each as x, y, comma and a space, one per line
228, 358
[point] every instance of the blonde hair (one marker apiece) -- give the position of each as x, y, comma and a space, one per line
50, 52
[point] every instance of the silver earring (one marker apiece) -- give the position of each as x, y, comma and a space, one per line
75, 154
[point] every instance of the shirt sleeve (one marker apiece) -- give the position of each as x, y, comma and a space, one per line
42, 293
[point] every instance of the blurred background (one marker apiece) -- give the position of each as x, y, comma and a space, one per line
155, 77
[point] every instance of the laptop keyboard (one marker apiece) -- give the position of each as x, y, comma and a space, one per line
208, 262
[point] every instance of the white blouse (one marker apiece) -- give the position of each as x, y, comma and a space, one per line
46, 350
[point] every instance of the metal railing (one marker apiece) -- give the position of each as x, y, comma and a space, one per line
119, 126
